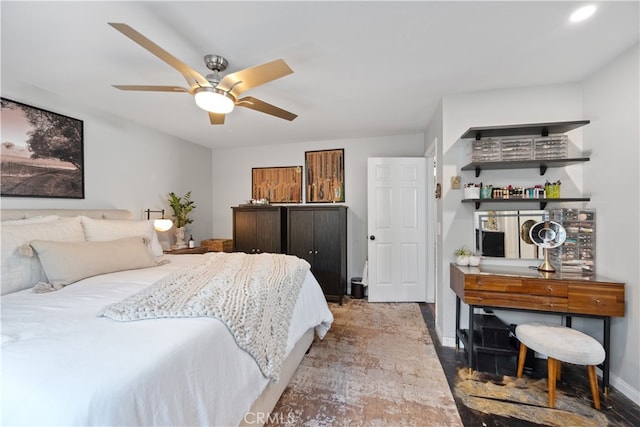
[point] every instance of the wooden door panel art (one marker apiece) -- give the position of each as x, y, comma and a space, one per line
277, 185
325, 176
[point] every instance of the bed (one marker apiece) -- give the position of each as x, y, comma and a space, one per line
63, 364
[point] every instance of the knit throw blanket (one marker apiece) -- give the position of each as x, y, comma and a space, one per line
253, 295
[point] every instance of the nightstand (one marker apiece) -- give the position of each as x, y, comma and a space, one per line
183, 251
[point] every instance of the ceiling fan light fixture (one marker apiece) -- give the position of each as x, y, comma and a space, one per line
213, 100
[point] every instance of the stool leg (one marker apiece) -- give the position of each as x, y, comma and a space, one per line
552, 366
559, 370
593, 383
521, 358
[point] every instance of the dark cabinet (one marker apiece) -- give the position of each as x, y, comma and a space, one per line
318, 234
259, 229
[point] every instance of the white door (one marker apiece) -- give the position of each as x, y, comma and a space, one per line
396, 229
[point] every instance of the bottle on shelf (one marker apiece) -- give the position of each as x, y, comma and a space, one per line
192, 243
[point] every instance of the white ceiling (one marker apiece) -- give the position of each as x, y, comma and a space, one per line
361, 68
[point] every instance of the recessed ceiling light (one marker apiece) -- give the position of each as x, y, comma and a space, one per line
582, 13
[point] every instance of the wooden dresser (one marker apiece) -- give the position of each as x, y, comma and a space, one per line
525, 289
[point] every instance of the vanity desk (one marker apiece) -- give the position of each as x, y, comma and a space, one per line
525, 289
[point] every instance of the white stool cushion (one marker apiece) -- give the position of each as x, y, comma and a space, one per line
561, 343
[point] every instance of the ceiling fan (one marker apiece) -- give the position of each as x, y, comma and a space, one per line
212, 93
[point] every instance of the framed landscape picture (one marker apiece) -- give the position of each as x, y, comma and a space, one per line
41, 153
277, 185
325, 176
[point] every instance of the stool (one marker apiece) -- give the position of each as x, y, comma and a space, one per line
560, 344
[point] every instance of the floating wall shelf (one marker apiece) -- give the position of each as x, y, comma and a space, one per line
523, 164
542, 202
542, 129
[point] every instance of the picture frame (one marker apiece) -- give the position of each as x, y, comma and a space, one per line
325, 176
277, 184
41, 154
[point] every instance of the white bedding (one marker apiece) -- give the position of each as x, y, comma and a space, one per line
63, 365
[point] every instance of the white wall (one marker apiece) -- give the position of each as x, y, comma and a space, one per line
126, 165
487, 108
610, 100
232, 180
611, 103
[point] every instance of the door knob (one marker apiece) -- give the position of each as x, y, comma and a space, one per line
372, 237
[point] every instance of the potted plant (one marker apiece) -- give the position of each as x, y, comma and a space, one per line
182, 207
474, 259
462, 255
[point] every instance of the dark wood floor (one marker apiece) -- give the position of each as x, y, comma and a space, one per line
620, 411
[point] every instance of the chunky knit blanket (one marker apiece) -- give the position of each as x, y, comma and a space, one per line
253, 295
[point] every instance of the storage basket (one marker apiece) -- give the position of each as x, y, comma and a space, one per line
218, 245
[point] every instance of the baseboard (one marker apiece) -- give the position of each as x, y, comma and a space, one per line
624, 388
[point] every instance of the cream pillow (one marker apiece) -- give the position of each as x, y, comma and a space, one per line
100, 230
22, 272
67, 262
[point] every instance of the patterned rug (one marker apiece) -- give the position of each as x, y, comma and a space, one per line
376, 367
526, 399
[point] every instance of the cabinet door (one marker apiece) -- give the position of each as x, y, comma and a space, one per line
268, 231
300, 234
328, 251
244, 230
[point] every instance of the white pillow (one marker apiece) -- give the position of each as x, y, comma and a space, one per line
67, 262
22, 272
100, 230
33, 220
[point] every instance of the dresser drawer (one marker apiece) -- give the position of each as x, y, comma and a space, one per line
516, 285
514, 300
545, 287
601, 300
493, 284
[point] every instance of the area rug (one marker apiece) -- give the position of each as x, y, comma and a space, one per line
525, 399
377, 366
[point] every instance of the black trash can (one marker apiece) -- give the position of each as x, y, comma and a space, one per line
357, 288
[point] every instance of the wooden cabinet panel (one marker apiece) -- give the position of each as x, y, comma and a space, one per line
318, 234
258, 229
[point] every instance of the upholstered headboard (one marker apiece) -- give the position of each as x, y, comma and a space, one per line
11, 214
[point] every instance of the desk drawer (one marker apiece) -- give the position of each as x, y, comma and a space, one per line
602, 300
512, 300
516, 285
545, 287
493, 284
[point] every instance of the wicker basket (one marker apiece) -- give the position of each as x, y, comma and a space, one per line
218, 245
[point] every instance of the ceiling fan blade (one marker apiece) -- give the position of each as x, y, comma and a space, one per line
192, 76
242, 80
264, 107
152, 88
216, 119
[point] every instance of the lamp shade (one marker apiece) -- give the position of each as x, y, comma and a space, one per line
214, 101
162, 224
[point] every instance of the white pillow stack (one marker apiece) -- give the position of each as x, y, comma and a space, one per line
20, 271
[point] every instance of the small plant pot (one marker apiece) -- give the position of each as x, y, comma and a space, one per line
462, 259
474, 260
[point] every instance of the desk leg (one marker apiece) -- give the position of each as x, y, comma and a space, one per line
457, 322
568, 321
470, 340
607, 346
